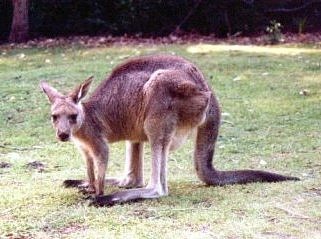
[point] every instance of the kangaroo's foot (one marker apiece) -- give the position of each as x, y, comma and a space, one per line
107, 201
82, 185
125, 182
131, 195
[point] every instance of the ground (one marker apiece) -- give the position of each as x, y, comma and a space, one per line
270, 99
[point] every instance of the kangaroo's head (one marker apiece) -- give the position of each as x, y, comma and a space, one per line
66, 110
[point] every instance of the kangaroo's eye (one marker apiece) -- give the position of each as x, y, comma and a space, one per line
54, 117
73, 118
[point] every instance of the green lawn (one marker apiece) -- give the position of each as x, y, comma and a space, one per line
267, 124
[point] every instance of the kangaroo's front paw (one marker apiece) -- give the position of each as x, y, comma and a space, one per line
82, 185
73, 183
103, 201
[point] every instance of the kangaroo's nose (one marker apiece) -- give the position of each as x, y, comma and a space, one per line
63, 136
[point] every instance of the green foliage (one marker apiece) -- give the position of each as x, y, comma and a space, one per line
274, 33
267, 124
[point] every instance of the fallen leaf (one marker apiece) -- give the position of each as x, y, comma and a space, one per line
304, 92
263, 162
237, 78
21, 56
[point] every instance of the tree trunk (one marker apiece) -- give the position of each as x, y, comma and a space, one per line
20, 22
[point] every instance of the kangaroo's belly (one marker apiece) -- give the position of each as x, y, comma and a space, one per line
180, 137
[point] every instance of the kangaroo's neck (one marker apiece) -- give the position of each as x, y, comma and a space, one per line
92, 126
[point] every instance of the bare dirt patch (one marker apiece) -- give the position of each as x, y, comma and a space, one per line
5, 165
72, 228
36, 165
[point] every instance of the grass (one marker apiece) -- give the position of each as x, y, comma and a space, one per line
267, 124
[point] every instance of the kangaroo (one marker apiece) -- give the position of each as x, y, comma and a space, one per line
157, 99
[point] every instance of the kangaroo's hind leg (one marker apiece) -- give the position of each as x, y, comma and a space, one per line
133, 175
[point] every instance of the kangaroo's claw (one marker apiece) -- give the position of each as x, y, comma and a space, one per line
73, 183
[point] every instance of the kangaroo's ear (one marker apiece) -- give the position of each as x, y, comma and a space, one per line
81, 91
51, 92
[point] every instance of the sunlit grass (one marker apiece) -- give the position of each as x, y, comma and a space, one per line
277, 50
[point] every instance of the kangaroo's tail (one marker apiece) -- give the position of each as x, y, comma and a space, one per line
204, 151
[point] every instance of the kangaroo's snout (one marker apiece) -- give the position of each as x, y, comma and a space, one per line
62, 136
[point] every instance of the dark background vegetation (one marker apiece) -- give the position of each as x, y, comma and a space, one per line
50, 18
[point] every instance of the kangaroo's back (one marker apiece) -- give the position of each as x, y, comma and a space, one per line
120, 99
136, 71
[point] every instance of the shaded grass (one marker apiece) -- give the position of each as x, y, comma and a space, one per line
267, 124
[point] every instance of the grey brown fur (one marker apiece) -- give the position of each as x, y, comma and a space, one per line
157, 99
